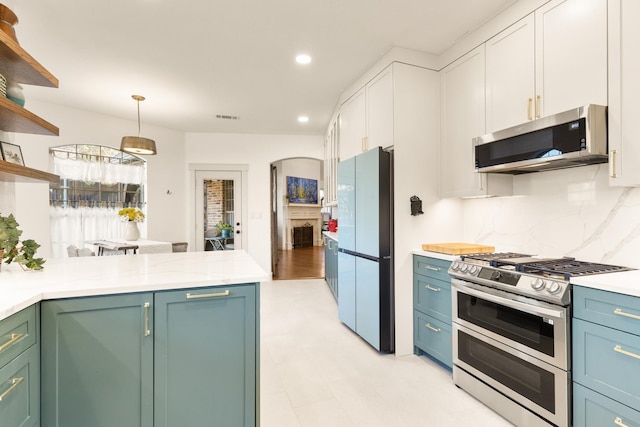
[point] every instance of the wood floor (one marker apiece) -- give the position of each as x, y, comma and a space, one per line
300, 263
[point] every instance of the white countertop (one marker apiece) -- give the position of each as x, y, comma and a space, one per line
624, 282
85, 276
436, 255
331, 234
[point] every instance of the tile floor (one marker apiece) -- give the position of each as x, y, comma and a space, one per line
317, 372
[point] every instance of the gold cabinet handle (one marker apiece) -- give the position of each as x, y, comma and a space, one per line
432, 288
428, 267
625, 352
612, 164
529, 104
214, 295
538, 107
618, 422
619, 312
12, 340
335, 249
147, 331
365, 144
428, 325
14, 383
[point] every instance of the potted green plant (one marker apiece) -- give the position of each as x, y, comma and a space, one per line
225, 228
12, 249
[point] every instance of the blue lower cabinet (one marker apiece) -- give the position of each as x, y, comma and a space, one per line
20, 390
433, 337
97, 361
591, 409
175, 358
205, 357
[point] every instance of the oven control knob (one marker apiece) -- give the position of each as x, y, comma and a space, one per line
538, 284
553, 287
464, 268
455, 266
473, 269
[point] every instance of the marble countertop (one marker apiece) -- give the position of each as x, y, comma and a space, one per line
624, 282
331, 234
437, 255
86, 276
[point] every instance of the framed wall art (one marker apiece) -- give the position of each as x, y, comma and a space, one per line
302, 190
11, 153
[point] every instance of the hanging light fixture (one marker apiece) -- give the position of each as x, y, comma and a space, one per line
138, 144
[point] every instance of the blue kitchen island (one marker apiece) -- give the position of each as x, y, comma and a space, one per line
145, 340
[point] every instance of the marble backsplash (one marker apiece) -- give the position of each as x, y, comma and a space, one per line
570, 212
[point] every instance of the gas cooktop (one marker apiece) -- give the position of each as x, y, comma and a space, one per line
546, 279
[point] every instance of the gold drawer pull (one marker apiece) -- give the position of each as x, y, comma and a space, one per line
147, 331
619, 312
217, 294
428, 325
12, 340
14, 383
625, 352
428, 267
618, 422
432, 288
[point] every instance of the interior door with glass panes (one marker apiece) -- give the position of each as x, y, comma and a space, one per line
218, 208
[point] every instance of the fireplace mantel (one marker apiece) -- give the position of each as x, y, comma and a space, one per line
297, 215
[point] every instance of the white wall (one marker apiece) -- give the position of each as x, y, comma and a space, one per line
570, 212
165, 171
258, 152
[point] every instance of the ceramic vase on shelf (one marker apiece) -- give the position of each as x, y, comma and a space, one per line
132, 233
226, 233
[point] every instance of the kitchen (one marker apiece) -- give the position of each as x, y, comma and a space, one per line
589, 219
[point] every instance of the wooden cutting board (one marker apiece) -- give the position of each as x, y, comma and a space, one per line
457, 248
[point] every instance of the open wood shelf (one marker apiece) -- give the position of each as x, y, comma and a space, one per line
15, 173
20, 67
14, 118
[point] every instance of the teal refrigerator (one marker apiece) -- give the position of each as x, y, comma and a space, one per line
365, 247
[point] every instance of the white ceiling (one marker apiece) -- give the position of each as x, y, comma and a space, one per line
194, 59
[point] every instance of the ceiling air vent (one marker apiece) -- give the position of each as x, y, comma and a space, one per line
227, 117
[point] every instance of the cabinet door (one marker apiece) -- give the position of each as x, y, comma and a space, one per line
591, 409
511, 76
353, 125
347, 203
367, 194
20, 390
347, 289
571, 55
624, 92
380, 110
205, 357
97, 361
462, 86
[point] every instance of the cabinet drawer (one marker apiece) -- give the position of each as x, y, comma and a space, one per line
18, 332
607, 361
431, 267
607, 308
433, 337
20, 390
591, 409
432, 297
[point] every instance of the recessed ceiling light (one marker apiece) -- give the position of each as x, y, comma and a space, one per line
303, 59
303, 119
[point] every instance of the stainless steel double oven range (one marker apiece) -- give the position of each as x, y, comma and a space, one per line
512, 333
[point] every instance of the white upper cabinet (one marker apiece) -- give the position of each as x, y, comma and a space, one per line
624, 92
380, 110
511, 76
462, 90
571, 55
551, 61
331, 164
353, 125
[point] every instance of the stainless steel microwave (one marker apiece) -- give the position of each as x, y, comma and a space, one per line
572, 138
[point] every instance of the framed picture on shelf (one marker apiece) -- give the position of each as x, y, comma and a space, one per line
11, 153
302, 190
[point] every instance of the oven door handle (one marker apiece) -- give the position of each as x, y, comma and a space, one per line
498, 299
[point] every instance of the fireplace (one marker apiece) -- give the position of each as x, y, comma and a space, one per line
303, 236
301, 216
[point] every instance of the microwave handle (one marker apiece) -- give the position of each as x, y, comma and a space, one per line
487, 295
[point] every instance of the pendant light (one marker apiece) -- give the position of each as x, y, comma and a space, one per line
138, 144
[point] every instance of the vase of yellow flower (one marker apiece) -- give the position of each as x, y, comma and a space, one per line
132, 216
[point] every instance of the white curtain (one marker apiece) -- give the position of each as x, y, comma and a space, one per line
85, 170
75, 226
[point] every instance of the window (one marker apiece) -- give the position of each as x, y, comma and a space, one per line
95, 182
